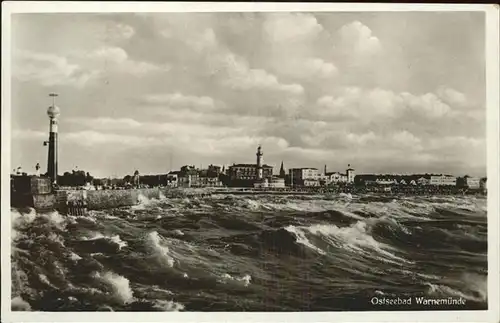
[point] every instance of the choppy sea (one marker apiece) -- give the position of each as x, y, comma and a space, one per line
253, 253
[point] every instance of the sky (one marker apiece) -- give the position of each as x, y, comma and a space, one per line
393, 92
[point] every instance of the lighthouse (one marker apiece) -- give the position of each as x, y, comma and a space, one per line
259, 164
53, 112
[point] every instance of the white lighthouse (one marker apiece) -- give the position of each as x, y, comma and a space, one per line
53, 112
260, 174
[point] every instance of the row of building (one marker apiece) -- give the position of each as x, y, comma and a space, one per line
261, 175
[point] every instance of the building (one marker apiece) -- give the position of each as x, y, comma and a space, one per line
282, 171
472, 182
335, 178
483, 183
277, 182
209, 178
304, 176
248, 172
423, 181
385, 181
212, 169
188, 177
443, 180
173, 179
350, 174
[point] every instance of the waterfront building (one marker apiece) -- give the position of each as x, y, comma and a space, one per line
442, 180
212, 169
350, 174
472, 182
304, 176
277, 182
423, 181
385, 181
173, 179
335, 178
209, 178
248, 172
482, 184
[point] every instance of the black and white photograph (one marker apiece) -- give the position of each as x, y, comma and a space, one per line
250, 161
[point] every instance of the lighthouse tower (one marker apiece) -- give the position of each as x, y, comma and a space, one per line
260, 174
53, 112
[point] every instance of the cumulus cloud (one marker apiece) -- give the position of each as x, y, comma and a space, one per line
242, 77
29, 134
312, 88
234, 71
354, 102
78, 67
452, 97
182, 101
357, 38
291, 27
49, 69
120, 32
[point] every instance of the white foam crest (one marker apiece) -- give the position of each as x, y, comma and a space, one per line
115, 239
44, 279
75, 257
52, 236
244, 279
119, 284
19, 304
346, 195
354, 237
302, 239
143, 202
179, 232
168, 306
478, 284
56, 218
160, 251
19, 221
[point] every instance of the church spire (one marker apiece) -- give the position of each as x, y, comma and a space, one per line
282, 170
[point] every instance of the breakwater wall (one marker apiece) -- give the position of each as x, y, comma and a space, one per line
107, 199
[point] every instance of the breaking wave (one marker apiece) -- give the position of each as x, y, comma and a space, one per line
250, 253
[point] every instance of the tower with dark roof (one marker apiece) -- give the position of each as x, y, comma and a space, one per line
282, 171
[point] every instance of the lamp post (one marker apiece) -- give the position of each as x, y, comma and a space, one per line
53, 112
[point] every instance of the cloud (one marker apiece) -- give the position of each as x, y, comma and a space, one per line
290, 27
78, 67
49, 69
181, 101
110, 59
358, 39
234, 71
105, 123
354, 102
242, 77
452, 97
313, 88
120, 32
29, 134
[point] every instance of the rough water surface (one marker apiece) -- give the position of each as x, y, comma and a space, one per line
253, 253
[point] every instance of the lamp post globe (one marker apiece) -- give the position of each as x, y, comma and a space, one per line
53, 112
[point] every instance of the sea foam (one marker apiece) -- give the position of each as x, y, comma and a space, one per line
119, 285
